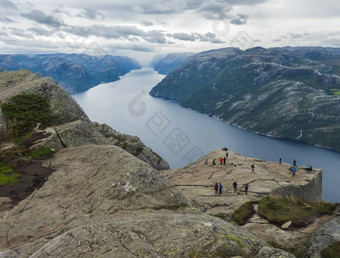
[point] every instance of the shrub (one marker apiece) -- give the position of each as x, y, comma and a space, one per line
24, 112
7, 177
331, 251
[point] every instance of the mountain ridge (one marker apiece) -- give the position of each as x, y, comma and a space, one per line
75, 72
277, 92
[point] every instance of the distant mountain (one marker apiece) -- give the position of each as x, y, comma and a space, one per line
75, 72
169, 63
283, 92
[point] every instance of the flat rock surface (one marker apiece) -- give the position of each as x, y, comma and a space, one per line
196, 181
103, 202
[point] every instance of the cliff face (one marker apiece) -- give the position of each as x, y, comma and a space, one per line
72, 126
283, 92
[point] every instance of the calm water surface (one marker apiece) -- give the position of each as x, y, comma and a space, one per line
181, 136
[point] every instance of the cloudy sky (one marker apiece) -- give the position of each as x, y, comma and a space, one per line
145, 28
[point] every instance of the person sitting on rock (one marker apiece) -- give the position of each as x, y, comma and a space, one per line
213, 162
294, 171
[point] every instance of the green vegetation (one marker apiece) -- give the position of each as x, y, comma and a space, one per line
242, 214
24, 112
335, 92
236, 240
221, 216
331, 251
40, 152
7, 177
280, 210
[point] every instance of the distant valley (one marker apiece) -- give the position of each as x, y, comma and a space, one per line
74, 72
282, 92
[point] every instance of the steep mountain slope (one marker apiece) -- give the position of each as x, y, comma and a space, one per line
75, 72
71, 127
282, 92
170, 62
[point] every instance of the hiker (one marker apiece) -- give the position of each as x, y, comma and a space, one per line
294, 170
294, 163
213, 162
235, 187
216, 188
224, 159
220, 188
227, 155
280, 161
252, 168
221, 160
205, 161
246, 188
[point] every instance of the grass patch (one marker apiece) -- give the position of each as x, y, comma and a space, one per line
19, 139
7, 177
220, 215
242, 214
332, 251
40, 152
280, 210
24, 112
335, 92
236, 240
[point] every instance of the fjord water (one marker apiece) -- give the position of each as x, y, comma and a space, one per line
181, 136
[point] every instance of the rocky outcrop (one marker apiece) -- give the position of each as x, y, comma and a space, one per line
102, 201
196, 181
328, 234
72, 126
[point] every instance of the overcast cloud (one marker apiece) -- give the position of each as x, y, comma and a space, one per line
144, 28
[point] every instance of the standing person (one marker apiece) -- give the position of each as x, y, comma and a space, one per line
221, 160
216, 188
294, 163
213, 162
280, 161
220, 188
224, 160
252, 168
227, 155
246, 188
235, 187
205, 161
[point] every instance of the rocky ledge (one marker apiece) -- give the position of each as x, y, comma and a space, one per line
102, 201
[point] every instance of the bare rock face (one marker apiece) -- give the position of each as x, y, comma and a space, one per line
328, 234
104, 202
72, 126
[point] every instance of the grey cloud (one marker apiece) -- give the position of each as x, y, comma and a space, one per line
296, 36
18, 32
214, 10
89, 13
41, 31
8, 4
40, 17
6, 19
208, 37
147, 23
239, 19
